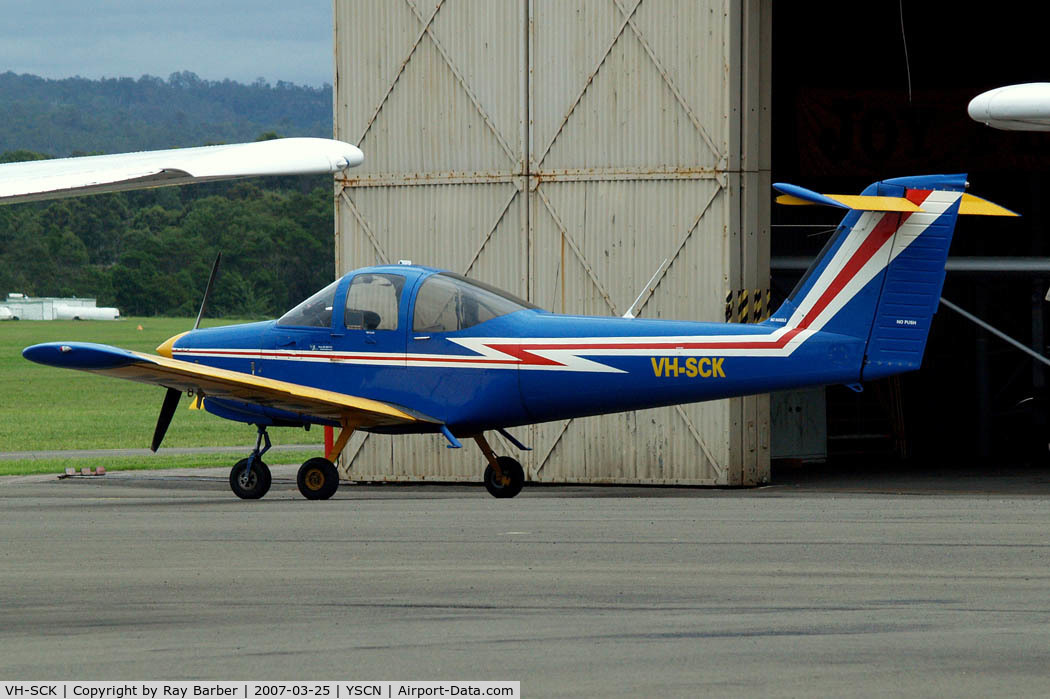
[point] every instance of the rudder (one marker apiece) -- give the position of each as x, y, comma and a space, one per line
914, 277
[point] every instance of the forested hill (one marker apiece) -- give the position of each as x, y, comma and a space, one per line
149, 252
77, 115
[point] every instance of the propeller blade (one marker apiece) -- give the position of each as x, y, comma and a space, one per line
207, 290
167, 410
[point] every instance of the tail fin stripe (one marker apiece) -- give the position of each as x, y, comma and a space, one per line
860, 262
876, 240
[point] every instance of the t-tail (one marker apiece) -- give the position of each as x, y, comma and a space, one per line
879, 278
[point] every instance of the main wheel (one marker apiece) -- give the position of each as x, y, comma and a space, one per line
252, 485
509, 483
318, 479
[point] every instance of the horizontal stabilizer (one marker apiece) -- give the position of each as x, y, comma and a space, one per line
66, 177
975, 206
793, 195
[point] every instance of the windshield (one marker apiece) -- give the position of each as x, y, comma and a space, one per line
314, 312
447, 302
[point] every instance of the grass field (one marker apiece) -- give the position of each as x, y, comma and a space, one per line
43, 408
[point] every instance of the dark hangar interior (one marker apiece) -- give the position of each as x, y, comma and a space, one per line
863, 92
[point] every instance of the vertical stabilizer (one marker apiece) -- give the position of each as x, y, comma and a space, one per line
878, 279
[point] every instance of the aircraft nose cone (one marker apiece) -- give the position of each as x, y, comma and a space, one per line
978, 107
45, 353
164, 349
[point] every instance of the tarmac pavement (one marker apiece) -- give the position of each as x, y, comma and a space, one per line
843, 586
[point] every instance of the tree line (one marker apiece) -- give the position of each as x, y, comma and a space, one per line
150, 252
73, 116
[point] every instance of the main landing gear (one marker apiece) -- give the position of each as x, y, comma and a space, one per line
504, 476
318, 478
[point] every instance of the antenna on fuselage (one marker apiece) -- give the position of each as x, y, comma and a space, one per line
207, 290
647, 289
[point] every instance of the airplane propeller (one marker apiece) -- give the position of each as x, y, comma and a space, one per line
167, 411
171, 398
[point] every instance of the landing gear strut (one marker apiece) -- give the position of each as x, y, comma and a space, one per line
504, 476
250, 478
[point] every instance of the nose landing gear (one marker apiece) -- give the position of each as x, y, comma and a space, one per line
250, 478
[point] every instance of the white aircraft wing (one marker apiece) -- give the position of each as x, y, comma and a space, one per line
1024, 107
67, 177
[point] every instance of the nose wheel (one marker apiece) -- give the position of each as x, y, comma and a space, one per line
250, 478
250, 483
317, 479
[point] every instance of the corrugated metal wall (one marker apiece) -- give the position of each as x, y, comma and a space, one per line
562, 151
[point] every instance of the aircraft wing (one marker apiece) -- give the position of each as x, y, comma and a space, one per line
221, 383
67, 177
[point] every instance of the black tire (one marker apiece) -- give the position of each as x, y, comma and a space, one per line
255, 485
512, 481
317, 479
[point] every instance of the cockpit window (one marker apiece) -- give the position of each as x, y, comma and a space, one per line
314, 312
447, 302
373, 301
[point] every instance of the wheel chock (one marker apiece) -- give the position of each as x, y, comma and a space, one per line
85, 471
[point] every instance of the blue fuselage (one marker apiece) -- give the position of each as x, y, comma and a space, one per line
522, 367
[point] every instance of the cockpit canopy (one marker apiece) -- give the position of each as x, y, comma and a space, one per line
445, 302
448, 302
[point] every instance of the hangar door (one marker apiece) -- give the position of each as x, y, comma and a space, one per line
562, 151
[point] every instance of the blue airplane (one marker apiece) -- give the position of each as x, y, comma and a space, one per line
405, 348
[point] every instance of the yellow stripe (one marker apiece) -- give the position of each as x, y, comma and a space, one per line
858, 202
975, 206
871, 203
788, 200
182, 375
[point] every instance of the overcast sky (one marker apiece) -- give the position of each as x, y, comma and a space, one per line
242, 40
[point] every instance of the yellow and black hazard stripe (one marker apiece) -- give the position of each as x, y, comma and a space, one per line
748, 306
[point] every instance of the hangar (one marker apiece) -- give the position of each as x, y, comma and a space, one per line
563, 151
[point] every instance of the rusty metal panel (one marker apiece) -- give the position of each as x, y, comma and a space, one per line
623, 83
473, 229
431, 88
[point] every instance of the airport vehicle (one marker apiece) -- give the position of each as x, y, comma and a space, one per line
411, 349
